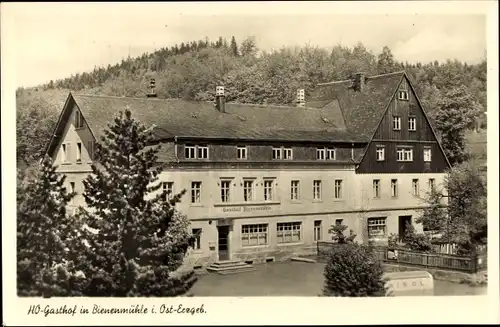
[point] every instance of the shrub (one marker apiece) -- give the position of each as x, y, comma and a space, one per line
338, 235
416, 242
352, 270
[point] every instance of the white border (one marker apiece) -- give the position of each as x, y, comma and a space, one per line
283, 310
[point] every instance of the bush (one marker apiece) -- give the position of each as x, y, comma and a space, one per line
338, 235
416, 242
352, 270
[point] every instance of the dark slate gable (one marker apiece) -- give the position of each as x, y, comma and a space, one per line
362, 111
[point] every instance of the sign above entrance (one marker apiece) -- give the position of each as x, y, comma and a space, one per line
247, 208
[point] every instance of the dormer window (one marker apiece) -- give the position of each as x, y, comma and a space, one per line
326, 154
282, 153
196, 152
78, 119
403, 95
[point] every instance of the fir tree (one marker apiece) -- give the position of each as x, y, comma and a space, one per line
138, 239
45, 236
234, 47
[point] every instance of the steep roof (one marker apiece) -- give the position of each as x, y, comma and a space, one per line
181, 118
362, 111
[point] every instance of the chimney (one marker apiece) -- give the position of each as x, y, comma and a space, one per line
301, 98
359, 82
220, 99
152, 86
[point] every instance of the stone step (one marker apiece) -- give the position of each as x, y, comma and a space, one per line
227, 263
234, 265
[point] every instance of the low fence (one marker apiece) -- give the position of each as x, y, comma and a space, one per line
469, 264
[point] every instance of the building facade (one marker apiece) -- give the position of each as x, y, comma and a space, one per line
264, 183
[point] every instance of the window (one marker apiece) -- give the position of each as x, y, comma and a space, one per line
294, 190
190, 151
196, 152
167, 190
380, 153
225, 187
202, 152
317, 230
248, 190
412, 124
78, 152
268, 190
91, 149
396, 123
195, 192
326, 154
197, 240
71, 190
316, 190
432, 184
331, 154
338, 189
64, 152
376, 227
415, 187
338, 222
404, 154
276, 153
255, 234
288, 232
427, 154
403, 95
78, 119
320, 154
241, 152
376, 188
394, 188
282, 153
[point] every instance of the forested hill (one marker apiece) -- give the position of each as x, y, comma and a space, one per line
191, 70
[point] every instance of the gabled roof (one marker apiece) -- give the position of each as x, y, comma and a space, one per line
362, 111
181, 118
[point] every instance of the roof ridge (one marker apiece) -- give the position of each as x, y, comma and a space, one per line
368, 77
388, 74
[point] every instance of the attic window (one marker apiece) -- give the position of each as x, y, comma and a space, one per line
78, 119
403, 95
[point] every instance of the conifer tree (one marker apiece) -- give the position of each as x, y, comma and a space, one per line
45, 236
234, 47
138, 239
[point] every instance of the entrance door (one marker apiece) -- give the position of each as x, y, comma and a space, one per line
223, 232
402, 226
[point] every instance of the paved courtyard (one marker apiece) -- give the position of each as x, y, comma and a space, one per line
291, 279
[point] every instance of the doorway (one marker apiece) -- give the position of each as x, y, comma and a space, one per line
402, 226
223, 242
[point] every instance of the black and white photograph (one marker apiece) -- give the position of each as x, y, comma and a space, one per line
201, 151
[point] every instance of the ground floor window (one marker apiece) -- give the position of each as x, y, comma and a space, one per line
377, 227
317, 230
289, 232
255, 234
197, 241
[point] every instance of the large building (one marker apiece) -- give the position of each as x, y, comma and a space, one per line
266, 182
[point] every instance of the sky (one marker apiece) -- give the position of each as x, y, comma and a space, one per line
52, 41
